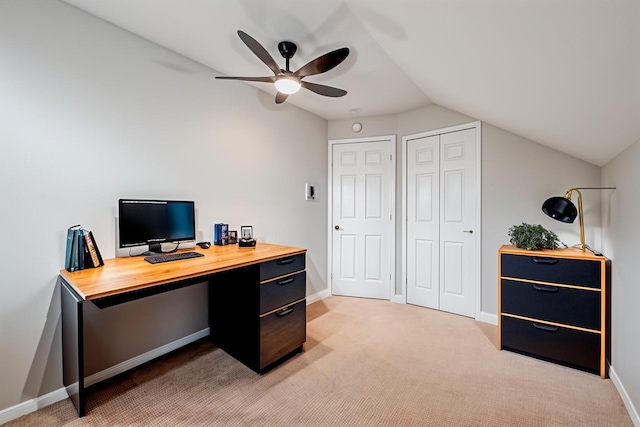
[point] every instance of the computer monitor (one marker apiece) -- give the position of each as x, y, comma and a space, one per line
153, 222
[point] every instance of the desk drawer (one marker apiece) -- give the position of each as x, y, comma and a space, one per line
282, 291
555, 270
281, 332
281, 266
567, 346
569, 306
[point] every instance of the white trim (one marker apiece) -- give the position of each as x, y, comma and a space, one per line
318, 296
478, 126
391, 139
33, 405
628, 403
143, 358
488, 318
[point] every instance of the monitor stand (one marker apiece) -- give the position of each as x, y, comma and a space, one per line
155, 248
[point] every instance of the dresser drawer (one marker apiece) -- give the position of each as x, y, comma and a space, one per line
569, 306
281, 332
281, 266
567, 346
282, 290
555, 270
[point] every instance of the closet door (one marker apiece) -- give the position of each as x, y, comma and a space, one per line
441, 230
423, 221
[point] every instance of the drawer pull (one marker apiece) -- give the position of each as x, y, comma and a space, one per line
546, 261
546, 288
285, 261
284, 312
544, 327
285, 281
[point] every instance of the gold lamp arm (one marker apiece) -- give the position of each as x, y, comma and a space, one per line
583, 245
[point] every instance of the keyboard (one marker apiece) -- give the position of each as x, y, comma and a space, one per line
155, 259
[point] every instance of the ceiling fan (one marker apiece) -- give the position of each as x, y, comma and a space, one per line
286, 81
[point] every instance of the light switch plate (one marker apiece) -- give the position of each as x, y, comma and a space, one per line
309, 192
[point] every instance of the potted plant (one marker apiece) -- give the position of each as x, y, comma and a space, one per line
533, 237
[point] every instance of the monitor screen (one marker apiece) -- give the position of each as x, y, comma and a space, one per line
152, 222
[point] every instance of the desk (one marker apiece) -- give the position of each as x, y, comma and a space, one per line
269, 279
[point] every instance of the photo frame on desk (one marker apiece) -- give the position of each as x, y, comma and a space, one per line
233, 237
246, 232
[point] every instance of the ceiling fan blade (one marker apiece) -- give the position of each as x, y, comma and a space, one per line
281, 97
249, 79
333, 92
259, 51
323, 63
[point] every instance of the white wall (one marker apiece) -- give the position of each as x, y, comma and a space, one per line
91, 113
517, 176
621, 234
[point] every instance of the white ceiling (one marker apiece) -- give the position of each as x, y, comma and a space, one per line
565, 73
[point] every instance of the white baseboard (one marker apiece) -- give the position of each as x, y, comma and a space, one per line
143, 358
633, 412
32, 405
318, 296
488, 318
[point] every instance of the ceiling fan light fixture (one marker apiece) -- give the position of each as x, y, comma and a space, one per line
287, 85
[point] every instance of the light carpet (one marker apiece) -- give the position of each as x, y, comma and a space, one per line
367, 363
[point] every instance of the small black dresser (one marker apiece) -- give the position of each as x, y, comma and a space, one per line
555, 306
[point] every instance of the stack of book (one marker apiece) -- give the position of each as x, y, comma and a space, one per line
220, 234
82, 250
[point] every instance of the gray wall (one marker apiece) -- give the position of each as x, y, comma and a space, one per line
91, 113
517, 176
621, 234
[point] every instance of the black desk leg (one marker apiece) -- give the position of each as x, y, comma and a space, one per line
72, 346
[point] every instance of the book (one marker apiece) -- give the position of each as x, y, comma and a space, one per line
92, 259
67, 253
81, 253
220, 234
73, 264
95, 246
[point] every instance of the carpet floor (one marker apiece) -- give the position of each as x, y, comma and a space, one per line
367, 363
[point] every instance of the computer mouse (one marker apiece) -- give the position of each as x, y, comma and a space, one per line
204, 245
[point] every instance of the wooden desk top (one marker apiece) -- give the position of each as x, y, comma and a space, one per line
120, 275
554, 253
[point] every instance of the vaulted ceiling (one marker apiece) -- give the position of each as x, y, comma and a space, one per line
564, 73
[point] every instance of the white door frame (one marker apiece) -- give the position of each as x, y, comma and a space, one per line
391, 139
478, 126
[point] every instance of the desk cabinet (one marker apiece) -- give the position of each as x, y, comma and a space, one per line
554, 305
258, 314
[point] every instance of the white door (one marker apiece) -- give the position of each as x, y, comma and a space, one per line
441, 233
423, 221
362, 200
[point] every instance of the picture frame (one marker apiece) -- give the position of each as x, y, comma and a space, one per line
246, 232
233, 237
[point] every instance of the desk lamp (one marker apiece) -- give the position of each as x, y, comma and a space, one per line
563, 209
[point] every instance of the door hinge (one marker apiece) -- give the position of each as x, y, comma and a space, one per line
390, 156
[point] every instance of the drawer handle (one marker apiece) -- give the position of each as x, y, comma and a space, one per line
285, 281
544, 327
285, 261
546, 261
284, 312
546, 288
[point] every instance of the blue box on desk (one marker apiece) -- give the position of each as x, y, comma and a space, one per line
220, 234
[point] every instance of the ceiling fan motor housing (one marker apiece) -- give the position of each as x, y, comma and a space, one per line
287, 49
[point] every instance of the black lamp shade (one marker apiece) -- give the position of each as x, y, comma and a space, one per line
560, 208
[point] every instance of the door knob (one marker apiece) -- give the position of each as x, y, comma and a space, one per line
337, 227
468, 231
